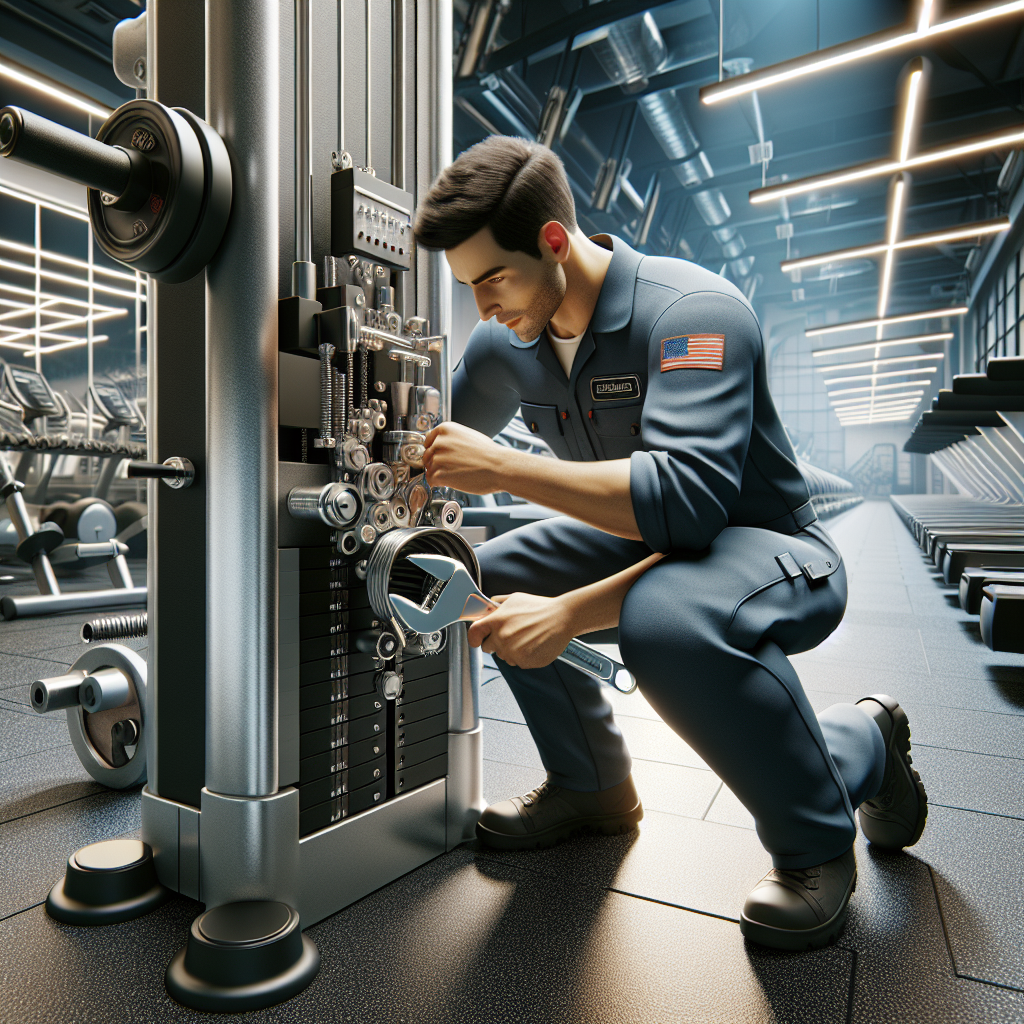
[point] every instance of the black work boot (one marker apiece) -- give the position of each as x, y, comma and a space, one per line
549, 814
800, 909
895, 817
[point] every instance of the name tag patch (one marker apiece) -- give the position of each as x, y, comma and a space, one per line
693, 352
615, 389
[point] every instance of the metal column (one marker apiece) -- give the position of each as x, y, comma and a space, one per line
248, 847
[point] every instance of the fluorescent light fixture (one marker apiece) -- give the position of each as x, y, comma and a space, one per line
865, 400
894, 227
883, 321
910, 112
78, 282
50, 88
882, 387
865, 421
848, 53
70, 261
76, 343
878, 376
845, 415
880, 168
910, 339
892, 360
38, 200
979, 228
18, 333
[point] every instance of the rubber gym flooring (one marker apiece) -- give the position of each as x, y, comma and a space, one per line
635, 928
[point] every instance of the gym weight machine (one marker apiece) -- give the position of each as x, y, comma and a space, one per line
282, 702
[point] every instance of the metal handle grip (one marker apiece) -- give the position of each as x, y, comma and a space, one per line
596, 664
176, 472
43, 143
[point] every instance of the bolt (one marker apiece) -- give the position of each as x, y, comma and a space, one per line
139, 69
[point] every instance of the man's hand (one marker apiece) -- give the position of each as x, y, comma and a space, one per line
456, 456
525, 631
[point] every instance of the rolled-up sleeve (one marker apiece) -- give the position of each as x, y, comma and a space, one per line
695, 425
482, 398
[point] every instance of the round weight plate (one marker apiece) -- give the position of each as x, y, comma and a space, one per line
152, 237
96, 523
90, 734
216, 205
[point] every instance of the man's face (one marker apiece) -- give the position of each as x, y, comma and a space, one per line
520, 291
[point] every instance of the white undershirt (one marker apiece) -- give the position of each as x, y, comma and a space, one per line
565, 348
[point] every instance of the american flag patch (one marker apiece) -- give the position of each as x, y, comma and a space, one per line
693, 352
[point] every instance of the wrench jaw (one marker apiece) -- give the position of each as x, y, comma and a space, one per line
460, 597
441, 567
411, 615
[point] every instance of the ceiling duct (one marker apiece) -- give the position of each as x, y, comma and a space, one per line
631, 51
712, 207
666, 117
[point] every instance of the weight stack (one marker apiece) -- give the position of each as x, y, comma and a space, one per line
343, 745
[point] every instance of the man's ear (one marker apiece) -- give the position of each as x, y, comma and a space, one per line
554, 238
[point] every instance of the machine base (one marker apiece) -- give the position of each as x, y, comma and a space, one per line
243, 956
107, 882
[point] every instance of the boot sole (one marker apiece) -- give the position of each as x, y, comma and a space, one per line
887, 832
799, 939
607, 825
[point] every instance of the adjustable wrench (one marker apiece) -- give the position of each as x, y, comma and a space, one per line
455, 597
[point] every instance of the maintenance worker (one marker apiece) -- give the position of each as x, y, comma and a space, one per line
685, 523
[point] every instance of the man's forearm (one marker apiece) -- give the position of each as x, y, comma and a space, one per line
596, 493
599, 605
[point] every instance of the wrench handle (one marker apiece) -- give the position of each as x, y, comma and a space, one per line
596, 664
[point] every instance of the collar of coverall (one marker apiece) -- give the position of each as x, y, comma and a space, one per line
615, 301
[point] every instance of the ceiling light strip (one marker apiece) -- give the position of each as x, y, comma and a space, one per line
50, 88
847, 53
880, 168
883, 321
97, 338
78, 282
984, 227
30, 250
891, 361
910, 339
863, 399
881, 387
878, 376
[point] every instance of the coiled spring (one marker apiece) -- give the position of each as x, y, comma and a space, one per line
389, 572
116, 627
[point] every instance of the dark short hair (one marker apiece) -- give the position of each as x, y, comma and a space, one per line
510, 184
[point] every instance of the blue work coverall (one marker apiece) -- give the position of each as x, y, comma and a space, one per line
750, 576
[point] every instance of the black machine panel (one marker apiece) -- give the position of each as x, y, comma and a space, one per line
356, 748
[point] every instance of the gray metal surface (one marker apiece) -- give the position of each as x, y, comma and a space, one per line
241, 702
248, 848
351, 859
433, 153
464, 799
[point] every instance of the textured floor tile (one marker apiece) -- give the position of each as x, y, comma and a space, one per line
981, 732
655, 741
981, 894
46, 779
18, 672
727, 810
28, 733
698, 865
458, 940
975, 782
34, 850
904, 974
870, 646
497, 702
674, 789
502, 781
511, 744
